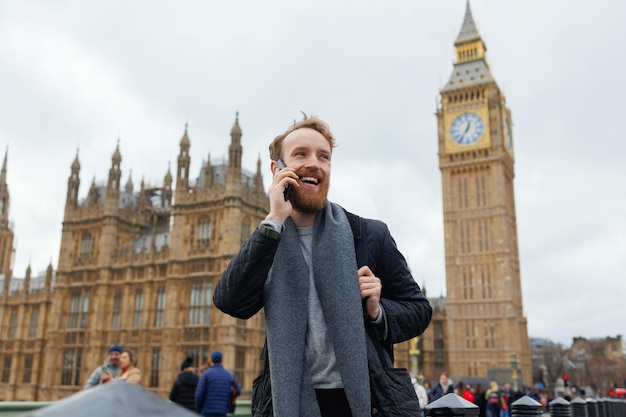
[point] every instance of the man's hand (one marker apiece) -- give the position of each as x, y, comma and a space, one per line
280, 209
371, 288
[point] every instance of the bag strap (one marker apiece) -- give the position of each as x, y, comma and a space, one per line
358, 231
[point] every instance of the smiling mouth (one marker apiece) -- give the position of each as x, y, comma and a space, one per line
309, 180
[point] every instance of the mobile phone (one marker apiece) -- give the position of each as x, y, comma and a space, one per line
281, 165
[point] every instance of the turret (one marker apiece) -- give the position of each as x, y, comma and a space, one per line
167, 183
113, 185
4, 194
73, 183
6, 234
182, 176
27, 280
258, 179
129, 184
233, 179
92, 198
208, 173
115, 173
48, 282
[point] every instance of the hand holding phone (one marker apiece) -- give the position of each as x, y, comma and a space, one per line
281, 165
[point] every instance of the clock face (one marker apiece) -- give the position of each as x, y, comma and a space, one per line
509, 134
467, 128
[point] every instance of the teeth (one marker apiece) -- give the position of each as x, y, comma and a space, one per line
309, 179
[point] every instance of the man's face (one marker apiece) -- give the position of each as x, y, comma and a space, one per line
114, 358
308, 152
443, 379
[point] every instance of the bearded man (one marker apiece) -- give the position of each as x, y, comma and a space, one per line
336, 290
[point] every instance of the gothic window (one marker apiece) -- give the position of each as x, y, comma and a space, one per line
486, 335
199, 356
86, 244
6, 368
240, 363
245, 231
438, 330
28, 369
465, 236
79, 306
138, 308
204, 230
117, 310
70, 374
156, 366
12, 326
34, 322
200, 303
463, 193
160, 308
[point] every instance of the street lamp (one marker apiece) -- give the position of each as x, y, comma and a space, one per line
415, 353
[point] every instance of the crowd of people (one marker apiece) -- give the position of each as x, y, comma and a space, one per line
492, 402
210, 390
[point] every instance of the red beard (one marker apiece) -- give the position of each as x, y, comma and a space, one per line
306, 200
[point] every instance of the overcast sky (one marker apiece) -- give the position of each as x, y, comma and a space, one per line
80, 75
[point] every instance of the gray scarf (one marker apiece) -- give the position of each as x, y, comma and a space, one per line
286, 299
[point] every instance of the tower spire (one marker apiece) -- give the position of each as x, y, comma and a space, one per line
184, 160
235, 150
468, 31
4, 193
3, 173
73, 183
470, 65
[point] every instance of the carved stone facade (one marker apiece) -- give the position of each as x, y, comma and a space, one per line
136, 267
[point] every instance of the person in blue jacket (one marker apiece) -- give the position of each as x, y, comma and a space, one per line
213, 393
335, 289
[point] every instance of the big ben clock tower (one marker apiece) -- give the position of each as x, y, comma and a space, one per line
486, 327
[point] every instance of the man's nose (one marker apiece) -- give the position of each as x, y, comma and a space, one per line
311, 161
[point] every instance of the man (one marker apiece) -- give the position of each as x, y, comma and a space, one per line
183, 390
213, 393
441, 388
336, 291
110, 369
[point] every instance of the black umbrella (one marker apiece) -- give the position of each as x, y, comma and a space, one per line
115, 399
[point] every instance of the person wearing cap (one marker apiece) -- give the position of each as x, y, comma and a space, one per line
183, 390
213, 393
110, 368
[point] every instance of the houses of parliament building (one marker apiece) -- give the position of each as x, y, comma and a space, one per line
138, 264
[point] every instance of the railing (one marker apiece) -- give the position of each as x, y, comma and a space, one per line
15, 408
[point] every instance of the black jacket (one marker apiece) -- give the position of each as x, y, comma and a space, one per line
184, 389
407, 312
